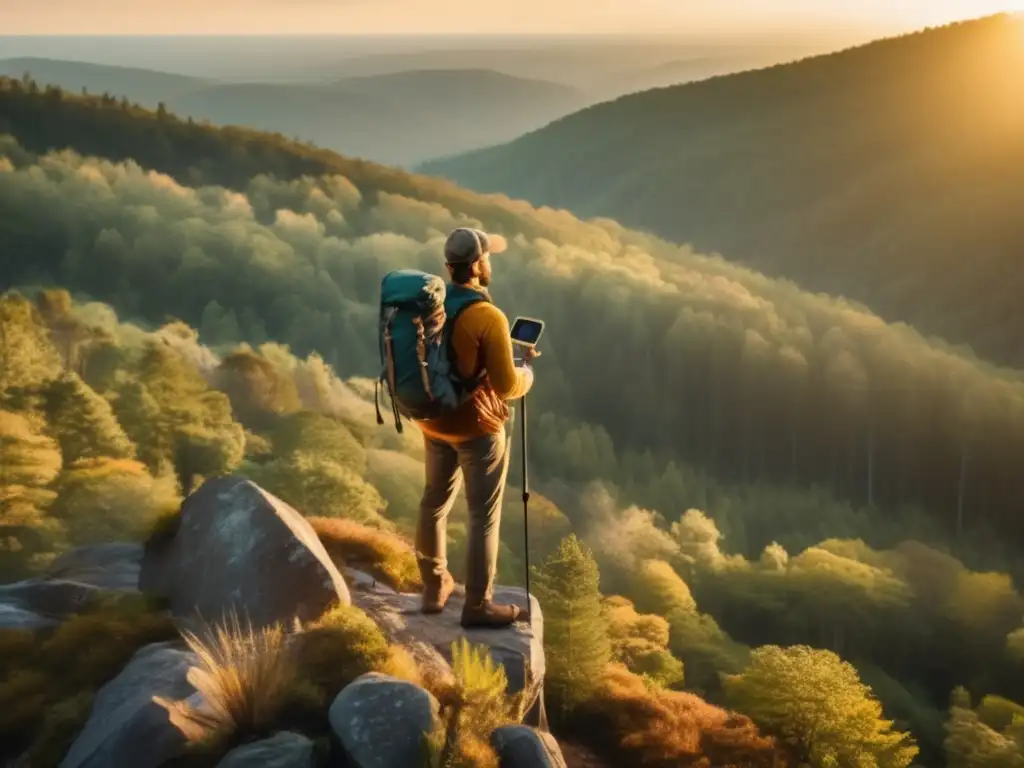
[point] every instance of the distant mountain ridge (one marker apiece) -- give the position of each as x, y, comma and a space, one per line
398, 118
892, 173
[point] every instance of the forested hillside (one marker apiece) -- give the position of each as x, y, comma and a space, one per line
767, 470
700, 363
891, 173
106, 425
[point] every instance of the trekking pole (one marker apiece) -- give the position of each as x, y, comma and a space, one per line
526, 516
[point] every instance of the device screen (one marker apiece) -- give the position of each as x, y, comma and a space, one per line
527, 330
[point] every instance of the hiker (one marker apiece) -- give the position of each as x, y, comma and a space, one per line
472, 437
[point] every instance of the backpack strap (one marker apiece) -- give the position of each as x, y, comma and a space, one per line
468, 297
388, 372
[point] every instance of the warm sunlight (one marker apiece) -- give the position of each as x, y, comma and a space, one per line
267, 466
446, 17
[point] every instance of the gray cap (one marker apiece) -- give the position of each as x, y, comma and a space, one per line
465, 245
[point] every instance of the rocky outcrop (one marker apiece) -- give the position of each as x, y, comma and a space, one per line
239, 549
521, 747
41, 603
107, 566
520, 648
236, 548
282, 750
381, 721
127, 726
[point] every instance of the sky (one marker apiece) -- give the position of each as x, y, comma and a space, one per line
476, 16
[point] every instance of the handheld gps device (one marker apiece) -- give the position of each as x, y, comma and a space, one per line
527, 330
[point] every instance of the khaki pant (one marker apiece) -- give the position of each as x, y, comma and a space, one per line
484, 465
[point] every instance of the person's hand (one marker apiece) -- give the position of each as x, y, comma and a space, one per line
530, 354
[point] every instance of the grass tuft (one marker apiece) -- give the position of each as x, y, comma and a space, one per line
384, 555
247, 677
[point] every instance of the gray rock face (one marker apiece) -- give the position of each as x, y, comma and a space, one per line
108, 566
38, 603
520, 648
240, 549
126, 726
282, 750
381, 721
521, 747
13, 616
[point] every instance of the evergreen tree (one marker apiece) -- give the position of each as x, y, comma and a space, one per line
972, 743
174, 417
27, 358
83, 422
29, 461
322, 437
101, 500
576, 640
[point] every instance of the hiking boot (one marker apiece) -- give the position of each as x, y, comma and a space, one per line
489, 615
436, 593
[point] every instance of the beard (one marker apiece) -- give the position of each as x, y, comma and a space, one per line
485, 280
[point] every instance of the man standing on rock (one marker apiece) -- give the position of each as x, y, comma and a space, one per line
472, 438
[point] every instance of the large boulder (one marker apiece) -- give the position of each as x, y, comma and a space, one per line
282, 750
39, 603
382, 721
519, 648
521, 747
127, 726
108, 566
239, 549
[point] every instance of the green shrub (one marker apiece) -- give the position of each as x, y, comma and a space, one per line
344, 644
50, 676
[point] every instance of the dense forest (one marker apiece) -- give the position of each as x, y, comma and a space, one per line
749, 381
760, 490
891, 173
105, 425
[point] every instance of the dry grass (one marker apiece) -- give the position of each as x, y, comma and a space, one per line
640, 724
384, 555
255, 682
245, 676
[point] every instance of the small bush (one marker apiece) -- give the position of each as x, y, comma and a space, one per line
474, 701
386, 556
50, 676
639, 723
344, 644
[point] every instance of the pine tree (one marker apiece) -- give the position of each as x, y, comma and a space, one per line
27, 358
174, 417
576, 642
83, 422
29, 461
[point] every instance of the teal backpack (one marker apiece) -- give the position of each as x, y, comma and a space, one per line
417, 313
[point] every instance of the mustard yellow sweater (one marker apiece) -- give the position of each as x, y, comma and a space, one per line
481, 336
